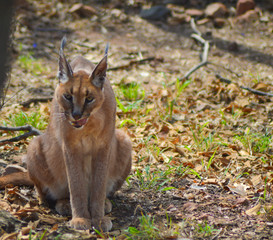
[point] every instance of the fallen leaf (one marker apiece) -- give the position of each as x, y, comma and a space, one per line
254, 210
239, 189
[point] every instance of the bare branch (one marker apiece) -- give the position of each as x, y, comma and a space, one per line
35, 100
204, 60
31, 132
257, 92
193, 26
131, 63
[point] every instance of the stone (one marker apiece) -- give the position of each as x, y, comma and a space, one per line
249, 16
8, 223
82, 10
219, 22
216, 10
243, 6
178, 19
194, 12
155, 13
203, 21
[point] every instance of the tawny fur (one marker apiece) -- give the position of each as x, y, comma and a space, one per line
84, 164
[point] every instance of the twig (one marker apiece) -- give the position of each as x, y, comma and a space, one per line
204, 59
131, 63
257, 92
193, 26
31, 132
53, 30
226, 69
192, 70
35, 100
5, 100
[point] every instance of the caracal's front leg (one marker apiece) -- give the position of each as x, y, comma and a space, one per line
98, 191
78, 190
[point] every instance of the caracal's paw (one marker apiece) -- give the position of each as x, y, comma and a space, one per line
104, 224
108, 206
63, 207
80, 223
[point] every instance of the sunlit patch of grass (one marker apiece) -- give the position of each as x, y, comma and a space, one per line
130, 92
148, 229
154, 180
171, 101
31, 64
206, 230
203, 140
126, 107
180, 87
255, 142
145, 230
35, 119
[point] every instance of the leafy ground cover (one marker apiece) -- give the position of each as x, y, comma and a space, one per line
202, 149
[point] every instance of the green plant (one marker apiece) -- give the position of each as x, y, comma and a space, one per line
155, 180
206, 230
131, 91
193, 172
127, 106
34, 119
180, 86
146, 230
171, 101
37, 236
204, 140
127, 121
169, 109
254, 142
31, 64
210, 160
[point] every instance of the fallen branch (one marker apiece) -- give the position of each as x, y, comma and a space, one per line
35, 100
131, 63
204, 59
67, 31
31, 132
257, 92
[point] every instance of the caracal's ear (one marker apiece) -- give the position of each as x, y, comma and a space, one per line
65, 70
98, 75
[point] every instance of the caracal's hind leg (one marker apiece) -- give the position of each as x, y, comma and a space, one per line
63, 207
45, 183
37, 167
120, 165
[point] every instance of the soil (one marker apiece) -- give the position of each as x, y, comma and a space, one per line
234, 196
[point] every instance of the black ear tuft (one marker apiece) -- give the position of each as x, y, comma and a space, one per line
99, 73
65, 71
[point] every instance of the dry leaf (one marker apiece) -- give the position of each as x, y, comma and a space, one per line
254, 210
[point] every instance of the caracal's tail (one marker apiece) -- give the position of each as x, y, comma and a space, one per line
16, 179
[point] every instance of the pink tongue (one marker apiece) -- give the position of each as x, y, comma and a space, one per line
80, 122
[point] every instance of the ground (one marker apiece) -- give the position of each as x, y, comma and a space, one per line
202, 148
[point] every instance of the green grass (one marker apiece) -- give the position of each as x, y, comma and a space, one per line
203, 140
130, 92
154, 180
34, 119
255, 142
148, 229
180, 86
31, 64
206, 230
127, 107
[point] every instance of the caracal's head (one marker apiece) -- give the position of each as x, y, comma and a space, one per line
79, 94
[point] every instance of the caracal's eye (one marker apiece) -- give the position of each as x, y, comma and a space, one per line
68, 97
89, 99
